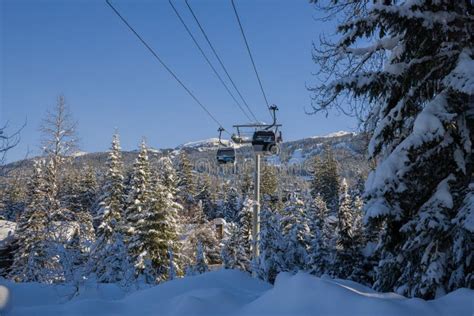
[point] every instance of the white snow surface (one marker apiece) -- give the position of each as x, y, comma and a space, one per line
7, 229
336, 134
226, 292
211, 142
78, 154
297, 157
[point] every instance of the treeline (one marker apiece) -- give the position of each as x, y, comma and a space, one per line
155, 222
318, 230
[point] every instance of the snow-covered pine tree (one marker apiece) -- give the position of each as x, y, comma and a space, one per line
31, 236
136, 215
326, 178
200, 263
416, 75
109, 256
186, 183
202, 231
168, 180
271, 260
320, 259
161, 232
232, 205
87, 189
348, 257
463, 244
13, 198
206, 197
269, 186
296, 234
79, 245
237, 250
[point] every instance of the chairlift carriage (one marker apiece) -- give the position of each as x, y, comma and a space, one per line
266, 142
224, 154
265, 139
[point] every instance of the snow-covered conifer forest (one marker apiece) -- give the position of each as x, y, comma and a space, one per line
374, 222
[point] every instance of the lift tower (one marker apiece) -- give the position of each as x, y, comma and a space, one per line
265, 140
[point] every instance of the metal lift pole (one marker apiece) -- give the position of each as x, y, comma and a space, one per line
256, 211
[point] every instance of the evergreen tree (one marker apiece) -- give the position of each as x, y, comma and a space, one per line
203, 232
418, 86
271, 260
296, 234
78, 190
269, 184
347, 249
200, 264
463, 245
160, 232
33, 258
206, 198
109, 256
88, 190
13, 199
232, 205
320, 259
136, 216
237, 250
326, 179
78, 246
186, 183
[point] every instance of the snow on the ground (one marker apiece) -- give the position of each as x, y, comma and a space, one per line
335, 134
228, 292
78, 154
7, 229
297, 157
211, 142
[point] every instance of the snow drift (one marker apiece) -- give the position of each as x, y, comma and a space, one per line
226, 292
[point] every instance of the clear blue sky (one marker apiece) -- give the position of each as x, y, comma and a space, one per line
81, 49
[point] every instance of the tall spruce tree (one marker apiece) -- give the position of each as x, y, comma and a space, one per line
186, 183
136, 216
206, 197
326, 178
347, 249
321, 248
200, 264
271, 260
415, 77
161, 232
202, 231
32, 254
109, 256
236, 252
296, 234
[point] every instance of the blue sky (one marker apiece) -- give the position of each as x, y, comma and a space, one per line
81, 49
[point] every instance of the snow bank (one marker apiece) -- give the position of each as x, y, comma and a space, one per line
7, 229
303, 294
228, 292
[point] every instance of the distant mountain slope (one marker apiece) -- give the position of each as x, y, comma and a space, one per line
349, 149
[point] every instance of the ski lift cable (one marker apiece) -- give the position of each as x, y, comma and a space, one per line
219, 59
251, 57
207, 60
152, 51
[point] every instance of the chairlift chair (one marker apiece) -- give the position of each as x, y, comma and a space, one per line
225, 154
266, 141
